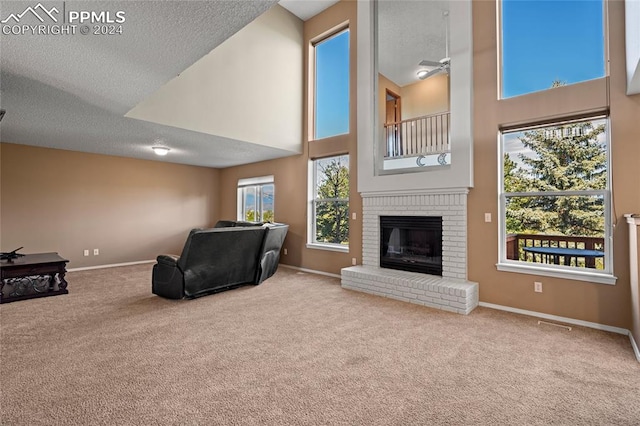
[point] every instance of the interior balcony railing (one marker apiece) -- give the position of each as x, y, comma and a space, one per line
424, 135
585, 252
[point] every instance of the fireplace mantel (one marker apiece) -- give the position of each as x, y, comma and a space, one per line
414, 192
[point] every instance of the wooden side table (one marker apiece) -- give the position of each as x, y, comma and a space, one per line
31, 276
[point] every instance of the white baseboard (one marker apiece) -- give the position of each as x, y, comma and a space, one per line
566, 320
113, 265
311, 271
557, 318
634, 346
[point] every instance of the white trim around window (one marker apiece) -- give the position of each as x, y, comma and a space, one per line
313, 201
511, 260
255, 200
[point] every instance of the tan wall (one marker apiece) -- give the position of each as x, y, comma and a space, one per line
604, 304
131, 210
625, 140
385, 84
425, 97
289, 201
290, 174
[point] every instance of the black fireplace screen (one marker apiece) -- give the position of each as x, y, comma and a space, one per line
411, 243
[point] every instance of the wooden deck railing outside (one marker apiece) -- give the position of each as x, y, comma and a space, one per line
424, 135
517, 242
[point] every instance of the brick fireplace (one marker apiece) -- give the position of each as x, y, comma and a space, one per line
440, 190
451, 291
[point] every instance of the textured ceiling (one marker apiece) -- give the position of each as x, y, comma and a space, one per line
408, 32
222, 94
72, 91
305, 9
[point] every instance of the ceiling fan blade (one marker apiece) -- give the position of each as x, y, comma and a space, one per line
432, 72
426, 63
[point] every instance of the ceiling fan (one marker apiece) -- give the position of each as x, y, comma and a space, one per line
444, 64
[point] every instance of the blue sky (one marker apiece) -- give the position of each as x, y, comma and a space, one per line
267, 199
332, 86
547, 40
543, 41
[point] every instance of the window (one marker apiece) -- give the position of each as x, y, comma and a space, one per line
554, 199
330, 203
550, 43
255, 199
331, 86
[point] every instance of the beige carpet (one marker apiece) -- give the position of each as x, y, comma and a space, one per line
297, 349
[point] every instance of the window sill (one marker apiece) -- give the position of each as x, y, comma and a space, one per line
578, 275
329, 247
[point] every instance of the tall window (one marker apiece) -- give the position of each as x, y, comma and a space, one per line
330, 202
555, 210
255, 199
547, 42
331, 86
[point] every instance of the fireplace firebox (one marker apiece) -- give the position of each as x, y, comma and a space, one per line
411, 243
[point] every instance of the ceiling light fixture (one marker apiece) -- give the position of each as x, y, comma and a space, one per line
422, 74
160, 150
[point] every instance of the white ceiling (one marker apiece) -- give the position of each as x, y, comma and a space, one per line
222, 94
73, 91
408, 32
305, 9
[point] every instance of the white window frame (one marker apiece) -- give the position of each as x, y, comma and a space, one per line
311, 209
257, 183
559, 271
334, 32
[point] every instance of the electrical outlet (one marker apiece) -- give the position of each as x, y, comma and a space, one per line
86, 252
353, 215
354, 261
96, 252
487, 217
537, 286
285, 252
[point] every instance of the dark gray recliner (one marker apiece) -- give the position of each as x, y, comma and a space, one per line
270, 252
224, 257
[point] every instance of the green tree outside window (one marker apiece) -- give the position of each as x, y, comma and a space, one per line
331, 200
566, 158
